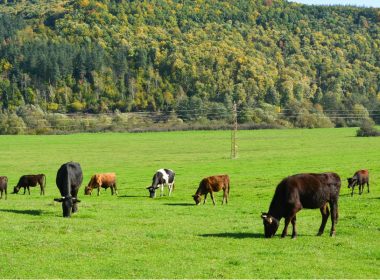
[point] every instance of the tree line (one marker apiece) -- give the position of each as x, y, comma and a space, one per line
193, 58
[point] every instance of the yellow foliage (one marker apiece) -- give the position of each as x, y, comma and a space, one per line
84, 3
52, 106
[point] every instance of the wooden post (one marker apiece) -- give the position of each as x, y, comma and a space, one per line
233, 133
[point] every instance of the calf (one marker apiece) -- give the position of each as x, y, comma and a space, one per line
69, 178
161, 178
3, 186
360, 178
104, 180
299, 191
27, 181
210, 185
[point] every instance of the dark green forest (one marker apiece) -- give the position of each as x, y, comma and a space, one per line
283, 63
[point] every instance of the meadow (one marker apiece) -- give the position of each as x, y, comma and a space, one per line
133, 236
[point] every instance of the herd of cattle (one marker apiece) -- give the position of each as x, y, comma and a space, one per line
308, 190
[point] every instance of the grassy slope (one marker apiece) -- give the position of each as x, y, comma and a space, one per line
132, 236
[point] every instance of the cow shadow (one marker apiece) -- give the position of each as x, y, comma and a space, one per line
180, 204
132, 195
23, 212
235, 235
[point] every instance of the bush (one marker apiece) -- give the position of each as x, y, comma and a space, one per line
367, 128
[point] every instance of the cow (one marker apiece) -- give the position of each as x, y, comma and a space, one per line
69, 178
360, 178
3, 186
27, 181
161, 178
104, 180
308, 190
210, 185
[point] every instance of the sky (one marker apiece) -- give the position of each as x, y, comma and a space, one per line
359, 3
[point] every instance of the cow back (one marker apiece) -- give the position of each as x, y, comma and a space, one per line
3, 182
215, 183
106, 179
69, 177
308, 190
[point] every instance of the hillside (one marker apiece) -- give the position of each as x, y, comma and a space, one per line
193, 57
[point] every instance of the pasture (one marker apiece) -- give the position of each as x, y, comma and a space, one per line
133, 236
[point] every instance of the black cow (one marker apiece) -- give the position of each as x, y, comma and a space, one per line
299, 191
3, 186
360, 178
27, 181
69, 178
161, 178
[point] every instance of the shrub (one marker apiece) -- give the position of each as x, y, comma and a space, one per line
367, 128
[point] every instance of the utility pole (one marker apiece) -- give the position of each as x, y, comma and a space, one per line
233, 132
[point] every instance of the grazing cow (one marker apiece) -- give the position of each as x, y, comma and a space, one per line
360, 178
27, 181
161, 178
105, 180
3, 186
213, 184
299, 191
69, 178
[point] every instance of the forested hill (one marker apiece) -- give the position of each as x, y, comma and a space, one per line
189, 56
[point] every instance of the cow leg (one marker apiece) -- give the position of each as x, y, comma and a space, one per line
352, 190
1, 194
360, 189
170, 187
24, 190
224, 197
161, 187
368, 186
99, 186
325, 215
212, 197
294, 233
285, 231
204, 201
334, 216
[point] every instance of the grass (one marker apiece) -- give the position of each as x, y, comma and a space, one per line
132, 236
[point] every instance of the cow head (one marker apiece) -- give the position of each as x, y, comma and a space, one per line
351, 182
270, 225
16, 189
88, 190
197, 198
69, 205
152, 191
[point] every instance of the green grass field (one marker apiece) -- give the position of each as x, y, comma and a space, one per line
132, 236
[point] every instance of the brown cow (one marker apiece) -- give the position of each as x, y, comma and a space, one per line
3, 186
299, 191
105, 180
360, 178
213, 184
27, 181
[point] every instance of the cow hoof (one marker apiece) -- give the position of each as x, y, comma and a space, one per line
332, 234
319, 233
294, 237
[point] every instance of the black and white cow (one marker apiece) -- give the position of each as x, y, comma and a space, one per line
161, 178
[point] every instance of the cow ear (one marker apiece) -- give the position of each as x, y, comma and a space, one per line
264, 215
75, 200
148, 188
58, 199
